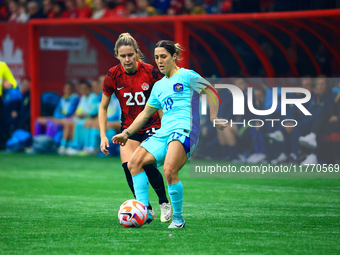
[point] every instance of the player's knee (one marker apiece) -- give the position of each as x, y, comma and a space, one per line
168, 173
135, 165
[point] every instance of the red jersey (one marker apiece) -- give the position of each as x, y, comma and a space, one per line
133, 91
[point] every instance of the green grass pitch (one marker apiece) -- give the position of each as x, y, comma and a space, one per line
68, 205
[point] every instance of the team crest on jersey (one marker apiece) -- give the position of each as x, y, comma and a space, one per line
178, 87
145, 86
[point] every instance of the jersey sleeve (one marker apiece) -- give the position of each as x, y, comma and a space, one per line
196, 81
153, 100
9, 76
108, 85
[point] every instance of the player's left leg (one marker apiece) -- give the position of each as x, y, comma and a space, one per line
175, 159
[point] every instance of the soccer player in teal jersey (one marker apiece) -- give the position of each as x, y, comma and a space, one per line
177, 94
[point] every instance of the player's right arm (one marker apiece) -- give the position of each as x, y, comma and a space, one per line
136, 125
9, 81
102, 118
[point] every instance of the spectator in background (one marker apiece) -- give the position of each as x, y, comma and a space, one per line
144, 9
17, 12
284, 134
319, 100
91, 126
84, 11
191, 8
101, 10
326, 114
226, 6
131, 7
176, 7
65, 109
117, 9
214, 6
72, 140
71, 11
57, 10
48, 8
4, 12
23, 115
34, 11
161, 6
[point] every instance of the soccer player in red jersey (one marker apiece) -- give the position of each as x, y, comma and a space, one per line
132, 81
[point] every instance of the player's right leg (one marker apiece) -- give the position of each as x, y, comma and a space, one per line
140, 158
125, 155
156, 180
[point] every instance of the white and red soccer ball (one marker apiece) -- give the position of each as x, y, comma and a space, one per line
132, 214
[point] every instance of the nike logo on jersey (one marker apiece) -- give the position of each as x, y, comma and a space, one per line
160, 94
120, 88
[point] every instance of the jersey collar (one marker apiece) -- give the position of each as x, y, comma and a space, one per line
138, 66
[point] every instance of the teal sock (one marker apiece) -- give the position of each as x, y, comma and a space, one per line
176, 196
86, 137
141, 186
63, 143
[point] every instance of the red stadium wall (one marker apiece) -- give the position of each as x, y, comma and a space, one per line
14, 48
287, 44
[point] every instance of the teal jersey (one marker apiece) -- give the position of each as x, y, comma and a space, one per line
178, 96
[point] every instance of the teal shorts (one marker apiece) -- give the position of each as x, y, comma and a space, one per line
158, 145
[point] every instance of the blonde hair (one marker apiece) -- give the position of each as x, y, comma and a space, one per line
171, 47
125, 39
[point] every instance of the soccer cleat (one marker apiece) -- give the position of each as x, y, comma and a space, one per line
166, 213
277, 136
175, 225
62, 150
71, 151
308, 141
311, 159
151, 216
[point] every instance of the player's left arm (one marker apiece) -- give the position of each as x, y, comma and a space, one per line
9, 81
213, 102
201, 85
136, 125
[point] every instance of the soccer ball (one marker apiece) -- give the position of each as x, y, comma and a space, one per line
132, 214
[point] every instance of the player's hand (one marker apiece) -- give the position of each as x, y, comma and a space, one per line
104, 144
120, 139
7, 85
221, 126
